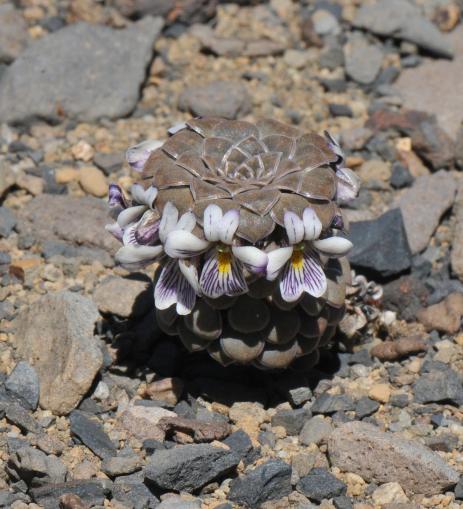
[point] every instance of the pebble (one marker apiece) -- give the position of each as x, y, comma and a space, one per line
291, 420
444, 316
189, 467
7, 221
90, 432
316, 431
120, 465
269, 481
168, 390
23, 384
362, 60
325, 23
365, 407
296, 58
91, 492
66, 175
401, 176
321, 484
388, 230
439, 386
13, 33
329, 404
228, 99
402, 347
389, 493
72, 67
199, 431
141, 421
240, 443
55, 335
422, 206
93, 181
381, 457
127, 297
380, 393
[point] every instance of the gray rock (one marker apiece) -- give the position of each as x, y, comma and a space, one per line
133, 493
22, 418
189, 467
344, 502
109, 163
23, 384
179, 503
13, 33
83, 75
381, 457
329, 404
126, 297
91, 433
269, 481
91, 492
55, 335
365, 407
228, 99
403, 20
400, 176
315, 431
325, 23
121, 465
320, 484
423, 205
35, 468
459, 490
291, 420
241, 444
388, 231
7, 221
439, 386
77, 221
362, 60
83, 254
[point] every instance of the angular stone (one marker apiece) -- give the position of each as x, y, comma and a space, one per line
362, 60
439, 387
291, 420
91, 492
121, 465
382, 457
7, 221
22, 418
189, 467
23, 384
200, 431
329, 404
388, 231
55, 335
228, 99
83, 75
402, 347
315, 431
91, 433
422, 206
444, 316
269, 481
142, 421
124, 296
402, 20
320, 484
456, 255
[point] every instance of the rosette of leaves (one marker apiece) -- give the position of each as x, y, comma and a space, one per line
244, 221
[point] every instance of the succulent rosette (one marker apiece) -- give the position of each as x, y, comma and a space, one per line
244, 222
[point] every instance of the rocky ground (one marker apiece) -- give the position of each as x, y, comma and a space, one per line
127, 419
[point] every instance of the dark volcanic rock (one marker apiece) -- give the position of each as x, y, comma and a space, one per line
439, 386
23, 384
83, 75
381, 244
7, 221
320, 484
329, 404
91, 492
269, 481
91, 433
189, 467
291, 420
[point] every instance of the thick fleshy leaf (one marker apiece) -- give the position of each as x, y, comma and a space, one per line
130, 215
276, 261
138, 155
316, 148
294, 227
181, 197
228, 225
252, 258
242, 348
333, 246
269, 126
181, 142
176, 128
222, 274
169, 221
204, 321
235, 130
280, 143
183, 244
278, 356
312, 225
283, 327
204, 126
303, 273
143, 196
334, 146
212, 222
172, 175
137, 255
319, 184
248, 315
202, 190
260, 201
254, 227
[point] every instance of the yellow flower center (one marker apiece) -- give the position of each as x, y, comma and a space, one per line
224, 259
297, 258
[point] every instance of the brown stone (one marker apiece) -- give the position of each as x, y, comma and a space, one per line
444, 316
393, 350
72, 501
167, 389
200, 431
142, 421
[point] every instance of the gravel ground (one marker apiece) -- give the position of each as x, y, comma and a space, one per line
97, 407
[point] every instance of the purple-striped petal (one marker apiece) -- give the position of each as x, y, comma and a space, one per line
189, 269
348, 185
222, 274
165, 291
294, 227
312, 225
116, 201
138, 154
276, 261
183, 244
211, 222
143, 196
252, 258
169, 220
302, 273
186, 297
147, 231
137, 256
228, 225
333, 246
